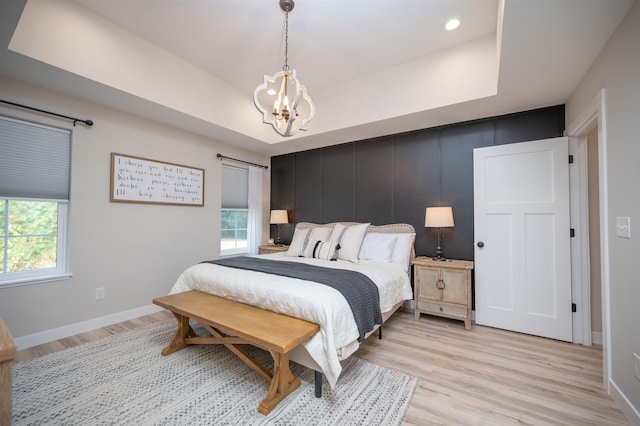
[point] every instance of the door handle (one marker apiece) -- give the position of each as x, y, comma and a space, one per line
480, 244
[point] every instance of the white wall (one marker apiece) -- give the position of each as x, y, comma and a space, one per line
617, 70
134, 251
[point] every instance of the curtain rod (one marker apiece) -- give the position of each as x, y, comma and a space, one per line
75, 120
220, 156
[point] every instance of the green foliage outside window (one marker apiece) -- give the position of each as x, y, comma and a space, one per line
28, 238
233, 229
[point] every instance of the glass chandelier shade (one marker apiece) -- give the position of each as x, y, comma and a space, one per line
282, 100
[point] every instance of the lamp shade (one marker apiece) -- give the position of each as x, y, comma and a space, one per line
438, 217
279, 216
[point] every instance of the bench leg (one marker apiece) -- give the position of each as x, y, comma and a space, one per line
283, 383
183, 332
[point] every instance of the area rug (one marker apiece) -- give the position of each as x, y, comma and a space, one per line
124, 380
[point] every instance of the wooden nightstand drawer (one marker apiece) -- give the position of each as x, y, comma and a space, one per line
456, 311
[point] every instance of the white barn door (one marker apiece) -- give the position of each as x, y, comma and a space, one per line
522, 245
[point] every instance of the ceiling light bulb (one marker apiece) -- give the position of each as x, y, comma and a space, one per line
452, 24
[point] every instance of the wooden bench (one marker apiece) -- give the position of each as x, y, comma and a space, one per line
231, 323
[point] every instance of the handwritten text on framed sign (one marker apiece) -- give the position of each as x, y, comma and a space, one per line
141, 180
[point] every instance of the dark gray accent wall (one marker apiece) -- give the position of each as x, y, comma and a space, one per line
392, 179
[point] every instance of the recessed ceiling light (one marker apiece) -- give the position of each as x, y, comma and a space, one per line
452, 24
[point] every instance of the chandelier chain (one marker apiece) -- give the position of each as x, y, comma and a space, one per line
286, 41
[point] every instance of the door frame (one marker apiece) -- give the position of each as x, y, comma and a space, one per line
580, 260
594, 114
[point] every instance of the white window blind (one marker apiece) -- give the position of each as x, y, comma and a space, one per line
235, 188
34, 161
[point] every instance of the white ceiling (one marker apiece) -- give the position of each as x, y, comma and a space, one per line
373, 67
330, 41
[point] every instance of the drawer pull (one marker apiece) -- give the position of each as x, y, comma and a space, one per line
440, 284
440, 308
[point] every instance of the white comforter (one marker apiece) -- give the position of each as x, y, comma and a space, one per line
317, 303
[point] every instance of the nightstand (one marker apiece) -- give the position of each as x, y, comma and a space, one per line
443, 288
270, 248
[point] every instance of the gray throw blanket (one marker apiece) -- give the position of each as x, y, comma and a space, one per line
360, 292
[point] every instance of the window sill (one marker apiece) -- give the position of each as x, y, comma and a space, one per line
35, 280
229, 253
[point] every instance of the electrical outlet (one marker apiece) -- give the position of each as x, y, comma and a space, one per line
99, 293
636, 368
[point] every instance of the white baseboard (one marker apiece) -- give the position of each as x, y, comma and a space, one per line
84, 326
596, 338
629, 411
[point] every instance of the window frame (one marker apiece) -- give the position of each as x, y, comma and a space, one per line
235, 250
60, 271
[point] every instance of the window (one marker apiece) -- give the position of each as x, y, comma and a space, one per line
34, 194
234, 230
235, 210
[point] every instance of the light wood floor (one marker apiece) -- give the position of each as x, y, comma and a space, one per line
478, 377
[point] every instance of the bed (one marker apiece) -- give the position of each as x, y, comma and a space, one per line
381, 253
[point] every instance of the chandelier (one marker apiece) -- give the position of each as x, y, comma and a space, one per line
282, 100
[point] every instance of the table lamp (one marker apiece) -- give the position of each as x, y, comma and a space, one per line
279, 217
438, 217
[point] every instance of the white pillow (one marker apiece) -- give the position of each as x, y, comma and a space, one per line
349, 239
325, 249
377, 246
320, 250
301, 238
402, 250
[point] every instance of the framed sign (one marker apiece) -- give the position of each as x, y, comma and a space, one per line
141, 180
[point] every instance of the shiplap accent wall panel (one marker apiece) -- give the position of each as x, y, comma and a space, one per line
374, 181
338, 182
416, 159
308, 185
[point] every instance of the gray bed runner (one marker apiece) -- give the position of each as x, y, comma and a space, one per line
360, 292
